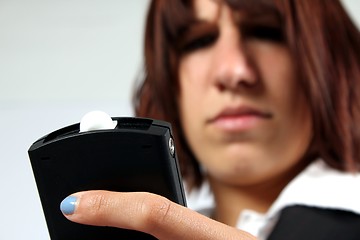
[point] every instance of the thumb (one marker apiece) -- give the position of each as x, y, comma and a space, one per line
145, 212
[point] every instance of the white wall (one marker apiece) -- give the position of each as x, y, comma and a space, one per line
69, 49
353, 8
58, 60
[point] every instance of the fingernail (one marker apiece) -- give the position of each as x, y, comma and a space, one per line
67, 206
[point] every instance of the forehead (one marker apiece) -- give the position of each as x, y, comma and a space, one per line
211, 9
207, 9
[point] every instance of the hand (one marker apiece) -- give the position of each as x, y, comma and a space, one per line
145, 212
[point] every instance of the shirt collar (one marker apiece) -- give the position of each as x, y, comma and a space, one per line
321, 186
318, 185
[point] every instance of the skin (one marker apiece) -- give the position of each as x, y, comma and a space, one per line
248, 157
149, 213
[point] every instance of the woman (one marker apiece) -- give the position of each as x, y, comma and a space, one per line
264, 99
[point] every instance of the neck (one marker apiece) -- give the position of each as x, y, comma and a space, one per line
231, 200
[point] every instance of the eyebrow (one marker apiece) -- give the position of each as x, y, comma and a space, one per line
254, 8
196, 28
269, 18
201, 24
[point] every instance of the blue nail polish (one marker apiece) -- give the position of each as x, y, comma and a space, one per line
67, 205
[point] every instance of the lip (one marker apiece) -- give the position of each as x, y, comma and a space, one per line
237, 119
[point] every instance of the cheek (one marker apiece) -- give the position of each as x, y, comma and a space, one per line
193, 101
293, 112
187, 93
190, 96
194, 71
193, 83
278, 76
287, 100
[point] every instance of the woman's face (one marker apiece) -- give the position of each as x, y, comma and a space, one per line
241, 107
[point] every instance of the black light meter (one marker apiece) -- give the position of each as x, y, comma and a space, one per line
137, 154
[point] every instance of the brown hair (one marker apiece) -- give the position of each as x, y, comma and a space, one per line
325, 45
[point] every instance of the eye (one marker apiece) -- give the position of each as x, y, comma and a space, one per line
198, 42
267, 33
199, 35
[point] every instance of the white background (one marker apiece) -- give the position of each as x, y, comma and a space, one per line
58, 60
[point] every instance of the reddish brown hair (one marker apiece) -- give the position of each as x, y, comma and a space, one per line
325, 45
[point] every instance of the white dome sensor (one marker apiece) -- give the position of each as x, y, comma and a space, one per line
96, 120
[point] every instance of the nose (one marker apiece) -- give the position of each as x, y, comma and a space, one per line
233, 68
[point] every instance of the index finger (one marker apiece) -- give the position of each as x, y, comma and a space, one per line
146, 212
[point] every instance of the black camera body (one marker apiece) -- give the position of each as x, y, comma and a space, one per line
137, 155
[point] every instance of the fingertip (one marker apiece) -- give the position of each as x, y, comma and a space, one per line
68, 205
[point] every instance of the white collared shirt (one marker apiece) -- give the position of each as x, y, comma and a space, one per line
316, 186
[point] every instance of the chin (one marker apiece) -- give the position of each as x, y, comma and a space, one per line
233, 171
243, 172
